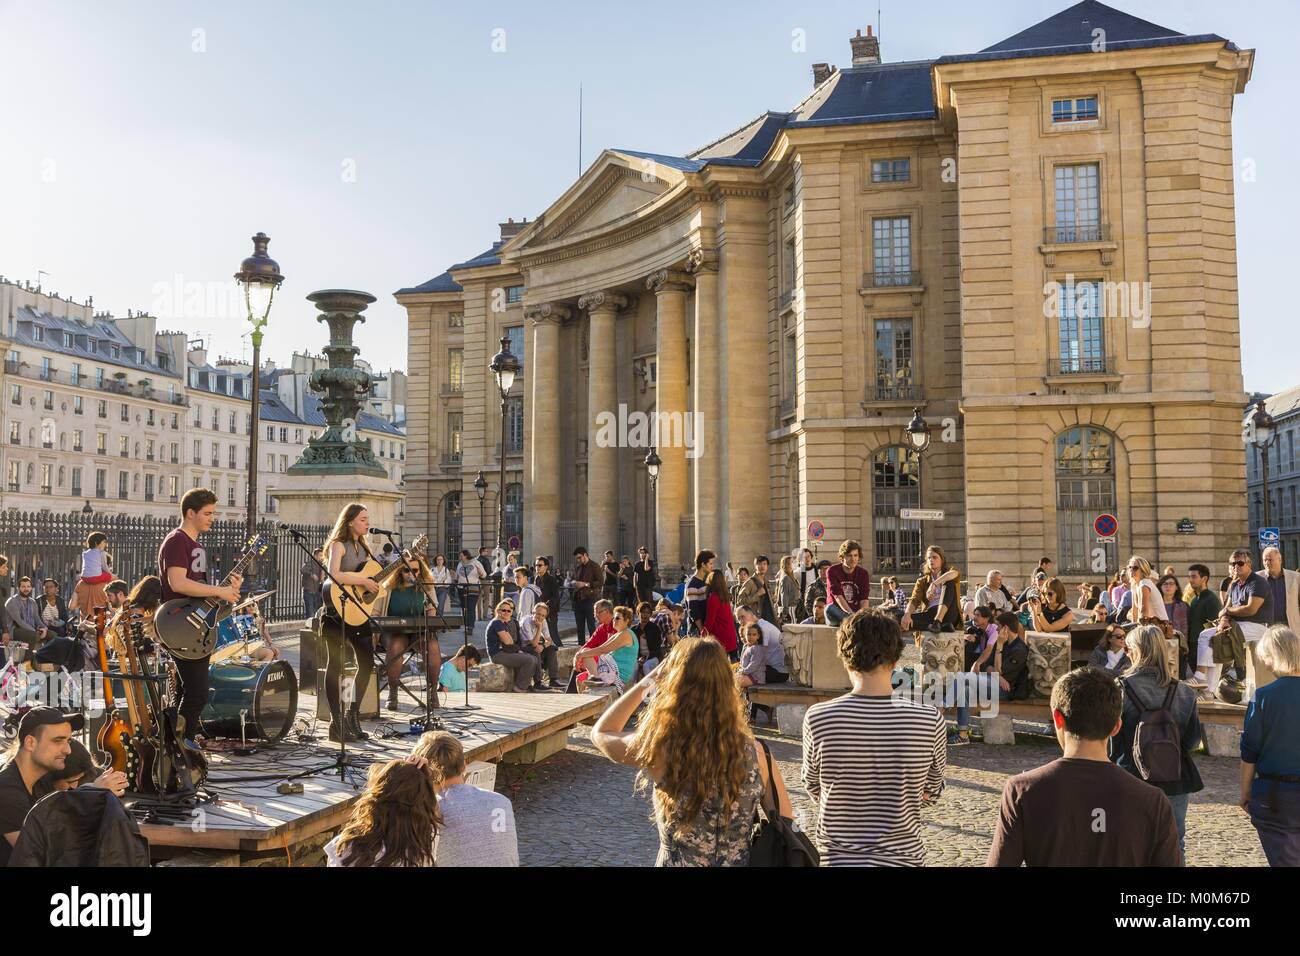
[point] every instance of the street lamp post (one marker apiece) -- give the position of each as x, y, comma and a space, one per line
652, 464
1260, 427
505, 367
260, 276
918, 439
480, 488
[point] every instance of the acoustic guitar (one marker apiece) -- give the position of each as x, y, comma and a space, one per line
112, 737
381, 575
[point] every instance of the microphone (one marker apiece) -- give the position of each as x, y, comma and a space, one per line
388, 534
295, 534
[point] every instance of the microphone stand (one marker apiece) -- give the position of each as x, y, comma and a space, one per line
341, 761
469, 639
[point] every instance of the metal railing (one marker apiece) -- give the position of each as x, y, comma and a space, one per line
901, 392
111, 386
1082, 365
897, 278
45, 544
1076, 232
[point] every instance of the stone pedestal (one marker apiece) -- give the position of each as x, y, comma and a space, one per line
318, 499
495, 678
998, 730
789, 719
1049, 660
564, 658
941, 654
1222, 740
812, 655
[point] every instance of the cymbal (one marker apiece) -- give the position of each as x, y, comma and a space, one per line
253, 599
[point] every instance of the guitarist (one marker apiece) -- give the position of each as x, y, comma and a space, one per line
346, 554
183, 569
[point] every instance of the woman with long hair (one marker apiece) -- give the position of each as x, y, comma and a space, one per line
394, 822
1147, 600
695, 751
442, 581
1148, 687
1175, 607
719, 619
934, 599
346, 554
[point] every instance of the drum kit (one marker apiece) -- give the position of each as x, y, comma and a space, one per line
251, 695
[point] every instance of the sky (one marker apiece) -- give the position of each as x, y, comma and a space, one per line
143, 143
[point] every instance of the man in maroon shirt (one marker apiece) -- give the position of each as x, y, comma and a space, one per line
1083, 810
183, 569
848, 584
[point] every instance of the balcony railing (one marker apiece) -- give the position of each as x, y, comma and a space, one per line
100, 493
1076, 232
76, 491
448, 390
902, 392
1085, 365
111, 385
121, 495
895, 279
449, 462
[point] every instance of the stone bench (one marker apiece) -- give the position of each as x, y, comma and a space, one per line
495, 678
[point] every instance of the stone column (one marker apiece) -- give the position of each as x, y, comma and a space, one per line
602, 396
670, 288
703, 264
542, 456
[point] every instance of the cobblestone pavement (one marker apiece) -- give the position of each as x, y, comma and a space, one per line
578, 784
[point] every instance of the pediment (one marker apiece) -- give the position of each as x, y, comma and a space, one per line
614, 187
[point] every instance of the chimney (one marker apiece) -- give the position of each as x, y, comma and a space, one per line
866, 49
821, 73
510, 228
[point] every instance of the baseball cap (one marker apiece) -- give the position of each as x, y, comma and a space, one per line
42, 716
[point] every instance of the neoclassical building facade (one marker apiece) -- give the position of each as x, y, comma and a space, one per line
1033, 244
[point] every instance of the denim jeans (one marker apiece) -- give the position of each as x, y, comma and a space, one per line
1179, 802
987, 689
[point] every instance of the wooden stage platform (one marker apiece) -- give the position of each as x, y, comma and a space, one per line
250, 818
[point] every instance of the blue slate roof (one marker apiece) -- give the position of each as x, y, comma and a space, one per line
441, 283
366, 421
1072, 31
272, 409
878, 93
101, 329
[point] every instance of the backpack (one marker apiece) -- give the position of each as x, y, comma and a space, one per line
1157, 741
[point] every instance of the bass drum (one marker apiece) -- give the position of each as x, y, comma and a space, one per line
265, 693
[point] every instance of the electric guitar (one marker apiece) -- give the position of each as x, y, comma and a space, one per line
187, 627
381, 575
110, 738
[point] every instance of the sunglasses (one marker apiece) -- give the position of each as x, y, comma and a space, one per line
1237, 564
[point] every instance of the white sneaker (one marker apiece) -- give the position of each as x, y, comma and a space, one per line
1197, 680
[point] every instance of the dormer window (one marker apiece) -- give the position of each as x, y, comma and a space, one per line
117, 351
1074, 109
38, 334
67, 340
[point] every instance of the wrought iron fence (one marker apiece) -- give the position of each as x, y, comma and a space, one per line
44, 545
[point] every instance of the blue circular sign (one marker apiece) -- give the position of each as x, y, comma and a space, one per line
1106, 526
816, 530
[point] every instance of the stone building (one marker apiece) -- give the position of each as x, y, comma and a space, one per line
1283, 477
1033, 244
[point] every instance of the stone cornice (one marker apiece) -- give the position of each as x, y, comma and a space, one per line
602, 301
723, 190
669, 280
604, 185
702, 260
548, 313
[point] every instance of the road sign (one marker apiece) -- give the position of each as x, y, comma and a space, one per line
1106, 525
920, 514
816, 530
1187, 526
514, 542
1269, 537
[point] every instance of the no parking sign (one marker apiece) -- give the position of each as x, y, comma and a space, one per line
816, 530
1106, 526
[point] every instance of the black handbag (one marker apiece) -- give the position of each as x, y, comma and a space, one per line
778, 841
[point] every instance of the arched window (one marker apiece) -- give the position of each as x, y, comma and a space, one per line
895, 485
1085, 488
514, 511
451, 527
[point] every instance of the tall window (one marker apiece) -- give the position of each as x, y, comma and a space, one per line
514, 518
456, 370
101, 443
14, 481
516, 336
47, 432
790, 363
514, 425
1078, 204
101, 482
451, 526
456, 320
78, 405
1085, 488
148, 487
173, 487
455, 430
1081, 335
891, 248
123, 484
894, 358
47, 479
514, 293
895, 485
76, 482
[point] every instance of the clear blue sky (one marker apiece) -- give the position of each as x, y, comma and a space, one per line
128, 159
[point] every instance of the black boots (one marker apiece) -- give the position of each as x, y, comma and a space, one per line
354, 726
348, 728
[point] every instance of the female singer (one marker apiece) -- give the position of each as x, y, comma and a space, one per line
347, 553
